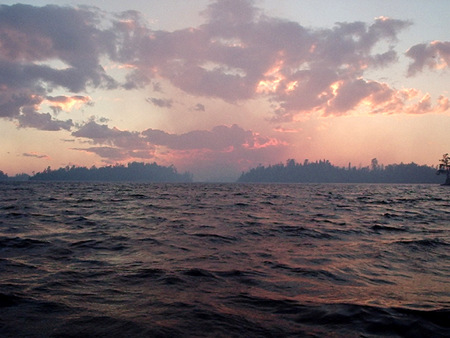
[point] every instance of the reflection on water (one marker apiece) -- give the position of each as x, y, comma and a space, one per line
223, 259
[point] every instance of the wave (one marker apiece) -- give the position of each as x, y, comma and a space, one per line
22, 243
424, 243
378, 227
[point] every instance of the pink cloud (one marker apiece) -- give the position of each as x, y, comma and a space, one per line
435, 55
349, 95
233, 145
425, 105
239, 53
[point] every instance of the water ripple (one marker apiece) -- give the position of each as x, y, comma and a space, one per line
165, 260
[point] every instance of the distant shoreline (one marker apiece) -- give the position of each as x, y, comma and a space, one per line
324, 172
319, 172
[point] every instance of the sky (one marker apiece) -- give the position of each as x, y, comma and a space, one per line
218, 87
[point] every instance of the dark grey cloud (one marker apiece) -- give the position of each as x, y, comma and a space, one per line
219, 138
102, 134
11, 102
99, 133
35, 155
36, 34
163, 103
43, 121
157, 87
199, 107
31, 38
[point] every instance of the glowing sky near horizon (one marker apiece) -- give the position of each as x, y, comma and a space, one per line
218, 87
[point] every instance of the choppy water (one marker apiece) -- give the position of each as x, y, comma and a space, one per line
118, 260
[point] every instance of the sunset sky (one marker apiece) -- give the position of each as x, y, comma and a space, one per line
218, 87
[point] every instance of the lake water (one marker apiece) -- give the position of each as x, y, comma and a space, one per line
164, 260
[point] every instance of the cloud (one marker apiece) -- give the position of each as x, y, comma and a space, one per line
108, 154
224, 150
199, 107
280, 129
230, 14
239, 53
11, 102
157, 87
349, 94
67, 103
38, 34
435, 55
163, 103
102, 134
219, 138
35, 155
222, 143
31, 39
43, 121
424, 105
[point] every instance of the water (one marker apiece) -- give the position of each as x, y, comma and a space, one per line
146, 260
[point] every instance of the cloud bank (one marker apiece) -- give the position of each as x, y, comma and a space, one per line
239, 53
229, 146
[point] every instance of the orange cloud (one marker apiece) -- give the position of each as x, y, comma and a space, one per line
272, 79
67, 103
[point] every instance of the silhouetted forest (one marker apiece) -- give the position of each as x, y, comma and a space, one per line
18, 177
292, 172
3, 176
324, 172
133, 172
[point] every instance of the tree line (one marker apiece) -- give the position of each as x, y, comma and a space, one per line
323, 171
132, 172
18, 177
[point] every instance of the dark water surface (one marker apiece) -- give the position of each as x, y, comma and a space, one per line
149, 260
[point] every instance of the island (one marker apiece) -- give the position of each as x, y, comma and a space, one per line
323, 171
132, 172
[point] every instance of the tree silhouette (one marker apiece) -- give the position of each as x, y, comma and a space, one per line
3, 176
444, 168
445, 160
